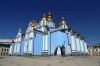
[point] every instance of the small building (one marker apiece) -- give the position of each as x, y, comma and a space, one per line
4, 51
93, 50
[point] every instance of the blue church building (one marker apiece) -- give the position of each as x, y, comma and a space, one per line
44, 38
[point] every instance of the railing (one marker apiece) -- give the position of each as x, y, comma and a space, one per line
6, 40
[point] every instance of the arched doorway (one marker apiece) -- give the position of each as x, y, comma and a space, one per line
58, 51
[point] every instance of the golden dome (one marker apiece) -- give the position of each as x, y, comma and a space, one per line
49, 17
63, 21
44, 17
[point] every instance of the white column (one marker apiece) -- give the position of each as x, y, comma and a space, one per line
86, 47
18, 47
30, 46
25, 46
43, 43
81, 45
15, 49
43, 40
46, 42
72, 43
78, 44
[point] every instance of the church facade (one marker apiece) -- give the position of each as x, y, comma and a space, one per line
44, 38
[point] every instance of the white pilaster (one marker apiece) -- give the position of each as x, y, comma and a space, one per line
43, 43
81, 45
30, 46
46, 42
14, 48
18, 47
78, 44
86, 47
72, 42
25, 46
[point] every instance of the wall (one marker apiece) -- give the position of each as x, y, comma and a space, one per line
58, 38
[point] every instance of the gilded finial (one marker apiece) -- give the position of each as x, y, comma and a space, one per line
63, 21
49, 14
44, 17
49, 17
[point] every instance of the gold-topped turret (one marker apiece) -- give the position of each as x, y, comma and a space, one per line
63, 21
49, 17
44, 17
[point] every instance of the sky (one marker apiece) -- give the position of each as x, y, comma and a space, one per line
82, 15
